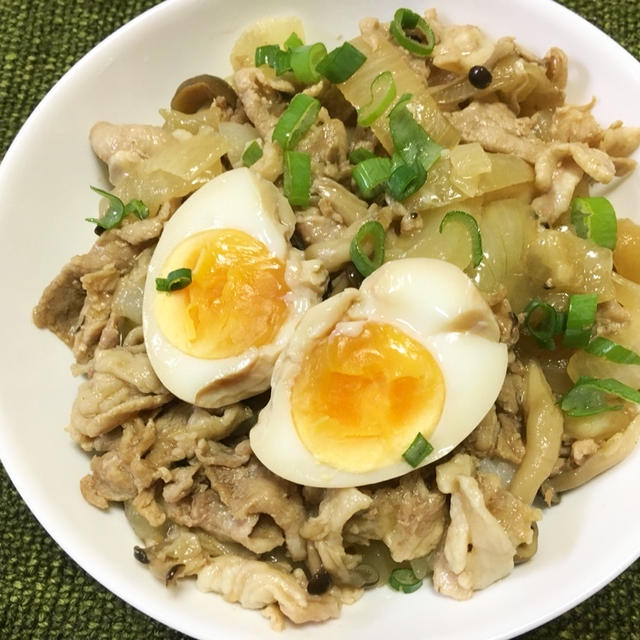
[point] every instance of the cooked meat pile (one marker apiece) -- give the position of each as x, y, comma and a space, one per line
200, 502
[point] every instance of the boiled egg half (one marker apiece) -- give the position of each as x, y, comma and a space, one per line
415, 350
215, 341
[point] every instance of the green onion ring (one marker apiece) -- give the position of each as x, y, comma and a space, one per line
595, 219
587, 396
472, 228
371, 176
304, 61
612, 351
418, 450
117, 210
581, 317
297, 178
251, 154
341, 63
551, 324
404, 19
177, 279
405, 180
383, 93
364, 264
296, 120
404, 580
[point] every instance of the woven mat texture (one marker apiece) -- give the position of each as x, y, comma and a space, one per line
43, 593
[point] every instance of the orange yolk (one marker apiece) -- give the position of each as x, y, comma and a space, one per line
235, 299
359, 401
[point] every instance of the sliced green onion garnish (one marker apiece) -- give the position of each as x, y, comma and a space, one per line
595, 219
588, 396
410, 141
404, 580
605, 348
296, 120
549, 322
581, 316
474, 232
297, 177
371, 176
251, 154
360, 154
273, 56
374, 231
178, 279
418, 450
118, 210
266, 54
383, 93
405, 19
293, 41
405, 180
341, 63
304, 61
138, 208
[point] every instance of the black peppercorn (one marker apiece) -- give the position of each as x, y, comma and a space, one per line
480, 77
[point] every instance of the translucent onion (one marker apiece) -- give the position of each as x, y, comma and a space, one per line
175, 171
585, 364
508, 228
191, 121
573, 264
238, 136
441, 187
388, 57
261, 32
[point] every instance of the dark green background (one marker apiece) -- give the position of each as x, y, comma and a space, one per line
43, 593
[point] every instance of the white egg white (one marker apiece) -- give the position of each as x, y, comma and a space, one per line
433, 302
240, 200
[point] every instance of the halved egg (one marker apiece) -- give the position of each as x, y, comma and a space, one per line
216, 340
414, 351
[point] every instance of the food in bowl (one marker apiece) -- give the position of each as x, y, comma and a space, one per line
349, 314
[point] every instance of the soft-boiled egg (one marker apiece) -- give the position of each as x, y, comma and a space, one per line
415, 350
216, 340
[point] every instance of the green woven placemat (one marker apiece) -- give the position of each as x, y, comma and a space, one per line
43, 593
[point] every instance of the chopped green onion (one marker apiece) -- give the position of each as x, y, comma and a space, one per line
371, 176
405, 180
588, 396
297, 178
474, 232
138, 208
266, 54
177, 279
404, 580
304, 61
296, 120
360, 154
595, 219
383, 93
273, 56
364, 264
405, 19
118, 210
410, 141
581, 316
550, 324
293, 41
605, 348
341, 63
418, 450
251, 154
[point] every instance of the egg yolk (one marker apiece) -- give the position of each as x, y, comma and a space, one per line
235, 299
359, 401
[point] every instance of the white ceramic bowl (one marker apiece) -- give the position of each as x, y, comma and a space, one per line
44, 189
